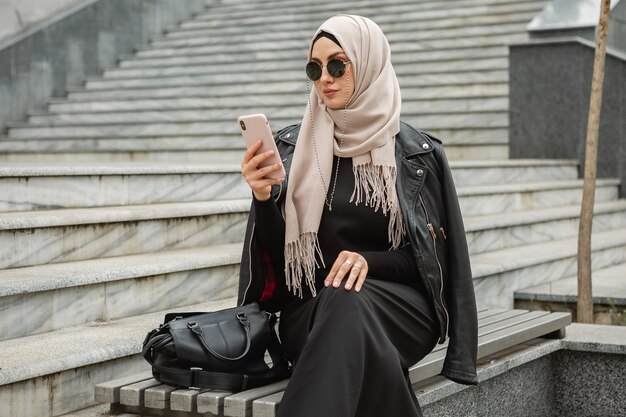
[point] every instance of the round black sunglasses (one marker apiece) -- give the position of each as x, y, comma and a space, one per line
335, 67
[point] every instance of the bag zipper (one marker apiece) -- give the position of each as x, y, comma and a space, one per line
245, 293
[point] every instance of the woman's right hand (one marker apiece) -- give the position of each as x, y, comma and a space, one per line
256, 177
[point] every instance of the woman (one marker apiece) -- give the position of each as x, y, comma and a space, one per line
362, 246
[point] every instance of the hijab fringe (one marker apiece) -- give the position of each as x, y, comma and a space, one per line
301, 259
375, 185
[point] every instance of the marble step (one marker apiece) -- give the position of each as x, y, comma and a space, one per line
409, 108
67, 294
608, 287
247, 81
368, 7
288, 91
30, 238
479, 120
303, 35
387, 15
498, 274
222, 106
408, 55
37, 187
298, 48
505, 230
444, 25
506, 198
56, 374
257, 68
159, 150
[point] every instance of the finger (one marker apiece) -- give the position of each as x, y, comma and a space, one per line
249, 153
344, 270
258, 159
361, 279
352, 276
341, 258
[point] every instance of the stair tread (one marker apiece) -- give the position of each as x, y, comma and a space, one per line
529, 187
36, 278
526, 217
609, 287
113, 214
29, 357
9, 169
509, 259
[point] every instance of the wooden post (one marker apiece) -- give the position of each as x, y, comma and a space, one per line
585, 299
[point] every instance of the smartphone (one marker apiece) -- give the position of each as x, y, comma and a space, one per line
254, 127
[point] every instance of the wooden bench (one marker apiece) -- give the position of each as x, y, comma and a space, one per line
141, 394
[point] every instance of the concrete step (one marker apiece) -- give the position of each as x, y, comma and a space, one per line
288, 91
609, 295
405, 13
257, 68
56, 374
303, 34
478, 120
506, 230
498, 274
30, 238
50, 186
402, 43
274, 79
409, 108
369, 8
408, 55
504, 198
67, 294
226, 106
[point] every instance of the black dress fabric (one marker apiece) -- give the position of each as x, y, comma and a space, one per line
350, 350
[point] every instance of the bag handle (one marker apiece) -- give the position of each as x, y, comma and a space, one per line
243, 320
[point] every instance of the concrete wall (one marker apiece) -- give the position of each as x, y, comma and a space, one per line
42, 64
550, 87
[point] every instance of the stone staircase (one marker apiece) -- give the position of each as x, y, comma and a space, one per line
125, 199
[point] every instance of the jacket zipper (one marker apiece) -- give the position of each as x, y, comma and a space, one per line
431, 229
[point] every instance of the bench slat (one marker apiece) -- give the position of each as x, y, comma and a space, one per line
158, 397
133, 394
212, 402
109, 392
184, 399
240, 404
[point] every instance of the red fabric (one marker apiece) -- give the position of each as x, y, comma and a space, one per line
270, 279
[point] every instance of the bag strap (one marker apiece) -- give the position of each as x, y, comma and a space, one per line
198, 378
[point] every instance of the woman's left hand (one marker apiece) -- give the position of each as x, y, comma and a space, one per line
349, 264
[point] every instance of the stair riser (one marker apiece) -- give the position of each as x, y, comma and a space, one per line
34, 193
501, 238
299, 47
303, 35
425, 122
470, 177
245, 60
73, 306
276, 79
441, 107
408, 15
60, 393
27, 247
510, 202
297, 66
497, 291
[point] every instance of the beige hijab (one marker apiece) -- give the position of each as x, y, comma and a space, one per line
372, 119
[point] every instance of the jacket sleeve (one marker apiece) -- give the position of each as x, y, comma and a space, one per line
460, 362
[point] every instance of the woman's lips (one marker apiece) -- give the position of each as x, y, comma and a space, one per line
329, 92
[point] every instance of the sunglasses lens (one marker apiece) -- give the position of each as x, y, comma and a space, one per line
336, 68
313, 71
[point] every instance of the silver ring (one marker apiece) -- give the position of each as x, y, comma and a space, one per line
349, 263
357, 266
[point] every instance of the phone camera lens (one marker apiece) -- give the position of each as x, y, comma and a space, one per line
243, 125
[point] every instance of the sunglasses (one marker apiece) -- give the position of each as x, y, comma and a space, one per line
335, 67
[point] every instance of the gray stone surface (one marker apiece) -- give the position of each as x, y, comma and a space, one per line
553, 77
83, 42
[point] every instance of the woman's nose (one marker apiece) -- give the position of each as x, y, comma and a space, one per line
326, 77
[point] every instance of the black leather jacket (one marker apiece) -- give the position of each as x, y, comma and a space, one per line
435, 230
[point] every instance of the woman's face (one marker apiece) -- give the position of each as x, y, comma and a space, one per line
335, 92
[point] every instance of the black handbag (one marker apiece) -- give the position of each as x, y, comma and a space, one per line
220, 350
